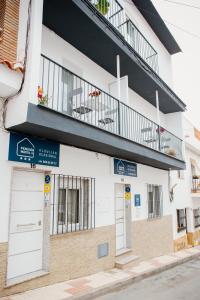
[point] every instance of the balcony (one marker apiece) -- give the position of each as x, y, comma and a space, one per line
196, 185
89, 29
115, 14
73, 111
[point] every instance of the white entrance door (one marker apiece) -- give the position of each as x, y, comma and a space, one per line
26, 224
120, 217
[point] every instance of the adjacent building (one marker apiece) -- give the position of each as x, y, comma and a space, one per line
185, 187
91, 139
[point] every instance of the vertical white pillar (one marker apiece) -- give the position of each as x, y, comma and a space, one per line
158, 108
118, 77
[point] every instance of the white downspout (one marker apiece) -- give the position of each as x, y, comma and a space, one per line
158, 108
118, 77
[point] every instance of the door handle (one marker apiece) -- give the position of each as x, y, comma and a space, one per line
39, 223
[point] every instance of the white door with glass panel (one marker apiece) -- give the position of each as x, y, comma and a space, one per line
26, 224
120, 219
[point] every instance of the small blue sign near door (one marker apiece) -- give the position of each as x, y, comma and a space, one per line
31, 150
124, 167
137, 200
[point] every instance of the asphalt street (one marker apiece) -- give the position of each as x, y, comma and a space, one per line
179, 283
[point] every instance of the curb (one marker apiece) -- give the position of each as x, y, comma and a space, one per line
118, 285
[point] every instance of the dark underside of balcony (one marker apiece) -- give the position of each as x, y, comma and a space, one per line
46, 123
87, 30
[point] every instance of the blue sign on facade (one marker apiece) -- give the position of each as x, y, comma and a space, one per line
47, 179
26, 149
124, 167
137, 200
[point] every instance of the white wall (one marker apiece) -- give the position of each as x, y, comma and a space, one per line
164, 58
66, 55
74, 161
182, 193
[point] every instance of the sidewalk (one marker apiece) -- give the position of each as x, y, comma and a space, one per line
92, 286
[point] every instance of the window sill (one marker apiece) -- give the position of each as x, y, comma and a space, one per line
181, 229
154, 218
66, 234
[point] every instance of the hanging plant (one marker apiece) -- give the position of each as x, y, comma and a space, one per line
103, 6
43, 100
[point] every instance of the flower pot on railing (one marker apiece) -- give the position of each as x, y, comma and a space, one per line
42, 99
95, 93
103, 6
171, 152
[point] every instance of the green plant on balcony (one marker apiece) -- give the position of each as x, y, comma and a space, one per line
103, 6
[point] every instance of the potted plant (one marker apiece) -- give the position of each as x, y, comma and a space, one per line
103, 6
171, 152
95, 93
42, 99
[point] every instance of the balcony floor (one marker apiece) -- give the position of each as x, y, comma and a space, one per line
46, 123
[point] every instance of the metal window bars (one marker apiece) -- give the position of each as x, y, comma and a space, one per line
196, 185
155, 201
72, 203
113, 11
196, 213
181, 220
75, 97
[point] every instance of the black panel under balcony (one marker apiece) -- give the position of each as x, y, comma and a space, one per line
46, 123
80, 24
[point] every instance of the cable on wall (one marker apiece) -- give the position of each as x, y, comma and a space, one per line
7, 99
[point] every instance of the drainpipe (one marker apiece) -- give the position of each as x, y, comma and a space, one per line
158, 108
118, 77
158, 118
5, 100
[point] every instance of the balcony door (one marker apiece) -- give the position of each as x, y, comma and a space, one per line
67, 92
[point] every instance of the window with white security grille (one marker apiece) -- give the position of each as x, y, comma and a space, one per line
155, 200
72, 203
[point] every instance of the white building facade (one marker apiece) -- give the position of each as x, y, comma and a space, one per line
91, 141
186, 186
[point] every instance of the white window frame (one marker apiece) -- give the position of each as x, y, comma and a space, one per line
155, 212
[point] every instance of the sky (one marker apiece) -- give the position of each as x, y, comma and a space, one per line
186, 65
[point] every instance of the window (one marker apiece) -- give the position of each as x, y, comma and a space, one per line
196, 213
155, 196
181, 219
72, 204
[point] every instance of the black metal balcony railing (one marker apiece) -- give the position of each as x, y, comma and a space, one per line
69, 94
196, 185
115, 14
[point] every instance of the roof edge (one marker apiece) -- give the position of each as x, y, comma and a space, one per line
151, 15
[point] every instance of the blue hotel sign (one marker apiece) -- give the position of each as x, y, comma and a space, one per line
125, 168
26, 149
137, 200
